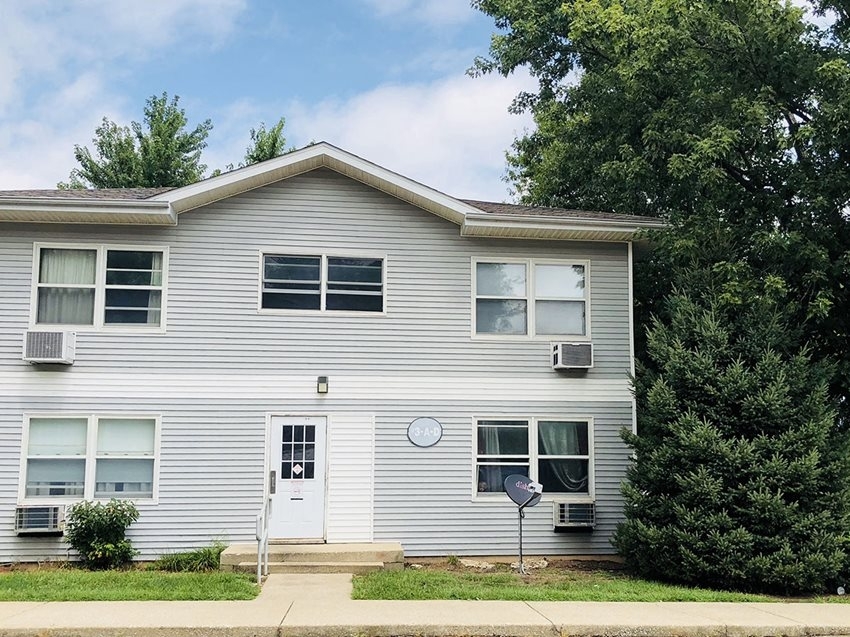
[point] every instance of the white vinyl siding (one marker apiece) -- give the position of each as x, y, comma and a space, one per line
530, 297
351, 469
224, 365
72, 457
114, 287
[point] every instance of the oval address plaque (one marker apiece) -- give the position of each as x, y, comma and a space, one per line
425, 432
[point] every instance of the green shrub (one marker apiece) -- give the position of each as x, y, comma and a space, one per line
97, 532
206, 558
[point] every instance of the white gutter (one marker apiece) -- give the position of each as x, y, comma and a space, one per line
73, 210
551, 227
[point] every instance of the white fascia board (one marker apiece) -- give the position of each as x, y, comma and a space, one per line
106, 211
576, 228
321, 155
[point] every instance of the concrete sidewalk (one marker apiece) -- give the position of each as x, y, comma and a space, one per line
320, 605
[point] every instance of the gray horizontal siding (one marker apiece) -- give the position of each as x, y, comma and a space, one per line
211, 467
211, 472
212, 316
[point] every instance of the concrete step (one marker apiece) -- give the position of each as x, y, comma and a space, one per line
316, 558
319, 567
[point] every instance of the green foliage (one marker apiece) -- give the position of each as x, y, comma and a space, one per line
157, 153
206, 558
577, 586
265, 143
728, 118
96, 530
77, 585
740, 477
731, 111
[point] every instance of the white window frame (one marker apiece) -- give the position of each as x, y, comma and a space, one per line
323, 283
100, 286
90, 457
530, 299
534, 456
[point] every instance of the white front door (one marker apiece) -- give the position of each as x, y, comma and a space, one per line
297, 465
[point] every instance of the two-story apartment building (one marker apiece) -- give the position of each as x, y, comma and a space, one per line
372, 354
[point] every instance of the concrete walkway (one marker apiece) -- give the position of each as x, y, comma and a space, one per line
320, 605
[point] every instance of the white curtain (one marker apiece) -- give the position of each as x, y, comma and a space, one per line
489, 477
155, 299
562, 439
68, 305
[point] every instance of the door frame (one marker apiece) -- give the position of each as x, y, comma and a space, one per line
267, 456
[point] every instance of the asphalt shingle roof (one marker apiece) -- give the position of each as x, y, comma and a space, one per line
99, 194
517, 210
491, 207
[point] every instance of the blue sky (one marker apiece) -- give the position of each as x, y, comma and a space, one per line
384, 79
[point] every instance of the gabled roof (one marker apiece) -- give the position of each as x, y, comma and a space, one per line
161, 206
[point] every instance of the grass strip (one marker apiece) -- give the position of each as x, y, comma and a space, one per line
77, 585
588, 587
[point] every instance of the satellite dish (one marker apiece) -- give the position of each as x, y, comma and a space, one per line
520, 488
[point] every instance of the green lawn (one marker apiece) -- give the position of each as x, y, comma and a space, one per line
70, 584
596, 586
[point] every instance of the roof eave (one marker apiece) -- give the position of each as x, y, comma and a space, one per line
554, 228
88, 211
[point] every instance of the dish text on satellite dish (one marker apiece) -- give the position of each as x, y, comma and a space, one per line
523, 490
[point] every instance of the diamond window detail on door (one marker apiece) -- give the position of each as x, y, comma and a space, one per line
298, 452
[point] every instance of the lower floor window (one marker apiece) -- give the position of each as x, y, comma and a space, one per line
554, 452
102, 457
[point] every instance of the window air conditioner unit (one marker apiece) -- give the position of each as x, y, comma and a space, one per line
574, 516
49, 347
572, 355
42, 520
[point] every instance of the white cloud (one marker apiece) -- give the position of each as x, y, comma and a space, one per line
451, 134
436, 13
56, 63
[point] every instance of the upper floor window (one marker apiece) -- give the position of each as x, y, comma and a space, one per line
531, 298
99, 286
90, 457
299, 282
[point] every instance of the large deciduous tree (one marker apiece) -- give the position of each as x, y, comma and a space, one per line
266, 143
729, 118
160, 152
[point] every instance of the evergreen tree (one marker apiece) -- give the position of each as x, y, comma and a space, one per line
740, 477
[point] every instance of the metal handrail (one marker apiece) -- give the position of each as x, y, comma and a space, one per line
263, 539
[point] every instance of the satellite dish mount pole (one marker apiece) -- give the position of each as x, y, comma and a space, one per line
521, 515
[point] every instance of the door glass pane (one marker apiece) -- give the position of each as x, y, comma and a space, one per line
560, 281
57, 437
562, 438
298, 451
55, 477
559, 317
500, 279
126, 436
123, 478
495, 316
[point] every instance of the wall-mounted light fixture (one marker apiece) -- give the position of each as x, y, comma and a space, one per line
322, 385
